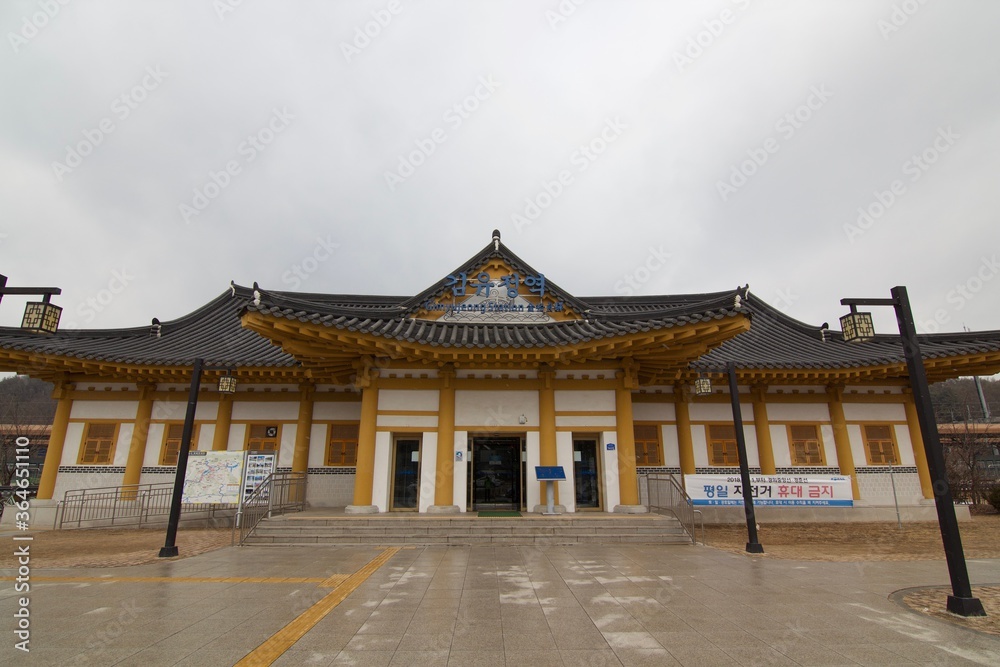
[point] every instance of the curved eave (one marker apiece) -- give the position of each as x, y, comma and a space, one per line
57, 368
331, 351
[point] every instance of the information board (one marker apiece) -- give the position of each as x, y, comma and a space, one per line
213, 477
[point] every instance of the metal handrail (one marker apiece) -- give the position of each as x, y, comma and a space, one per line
280, 492
665, 495
126, 505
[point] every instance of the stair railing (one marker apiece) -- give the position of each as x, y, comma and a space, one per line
280, 492
665, 495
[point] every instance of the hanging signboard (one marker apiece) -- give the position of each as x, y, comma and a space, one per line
772, 490
213, 477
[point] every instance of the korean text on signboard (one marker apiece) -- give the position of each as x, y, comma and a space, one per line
773, 490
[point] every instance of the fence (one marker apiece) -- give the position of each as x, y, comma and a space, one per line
664, 495
280, 492
131, 505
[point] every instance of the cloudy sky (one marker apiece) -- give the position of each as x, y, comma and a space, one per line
151, 152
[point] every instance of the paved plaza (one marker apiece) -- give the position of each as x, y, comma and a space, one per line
581, 605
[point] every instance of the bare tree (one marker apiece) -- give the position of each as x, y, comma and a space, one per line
26, 411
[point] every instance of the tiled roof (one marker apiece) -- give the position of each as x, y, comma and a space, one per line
395, 324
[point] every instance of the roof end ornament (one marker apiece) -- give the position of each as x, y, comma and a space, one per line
256, 294
496, 240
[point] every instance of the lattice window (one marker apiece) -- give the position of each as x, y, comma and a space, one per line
98, 443
805, 445
722, 445
648, 450
342, 447
880, 446
264, 437
172, 436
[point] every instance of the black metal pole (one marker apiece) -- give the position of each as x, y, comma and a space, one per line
169, 549
961, 601
753, 544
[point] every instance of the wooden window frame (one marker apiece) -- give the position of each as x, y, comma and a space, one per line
818, 440
249, 430
327, 458
163, 461
81, 455
646, 462
868, 440
711, 442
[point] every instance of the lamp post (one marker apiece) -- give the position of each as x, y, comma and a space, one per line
857, 327
39, 316
227, 385
703, 387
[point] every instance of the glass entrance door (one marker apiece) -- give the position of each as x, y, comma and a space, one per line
586, 473
496, 478
405, 473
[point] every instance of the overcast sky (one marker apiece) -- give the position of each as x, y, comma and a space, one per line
150, 152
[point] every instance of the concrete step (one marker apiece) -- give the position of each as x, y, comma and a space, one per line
468, 530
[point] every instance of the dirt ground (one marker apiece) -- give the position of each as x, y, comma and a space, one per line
811, 542
113, 547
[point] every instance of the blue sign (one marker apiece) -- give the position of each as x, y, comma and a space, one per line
550, 473
611, 446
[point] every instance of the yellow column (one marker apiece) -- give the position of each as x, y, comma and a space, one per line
303, 429
444, 491
762, 428
917, 439
137, 446
57, 438
365, 472
223, 422
628, 485
841, 438
685, 446
547, 455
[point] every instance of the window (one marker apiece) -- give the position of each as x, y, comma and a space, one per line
98, 444
722, 445
263, 437
648, 451
342, 447
880, 446
172, 434
805, 445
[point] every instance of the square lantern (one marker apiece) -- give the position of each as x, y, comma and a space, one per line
227, 384
703, 386
41, 317
857, 327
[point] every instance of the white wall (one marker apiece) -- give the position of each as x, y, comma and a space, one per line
383, 468
653, 412
612, 491
584, 400
495, 408
83, 409
532, 494
564, 458
336, 411
402, 399
428, 470
283, 411
461, 490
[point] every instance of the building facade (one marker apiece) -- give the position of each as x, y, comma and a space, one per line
447, 400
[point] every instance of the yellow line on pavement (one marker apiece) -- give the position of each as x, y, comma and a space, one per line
193, 580
283, 639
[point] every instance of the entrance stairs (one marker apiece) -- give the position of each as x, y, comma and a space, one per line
325, 527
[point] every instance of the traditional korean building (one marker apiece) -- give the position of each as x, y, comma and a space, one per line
447, 400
